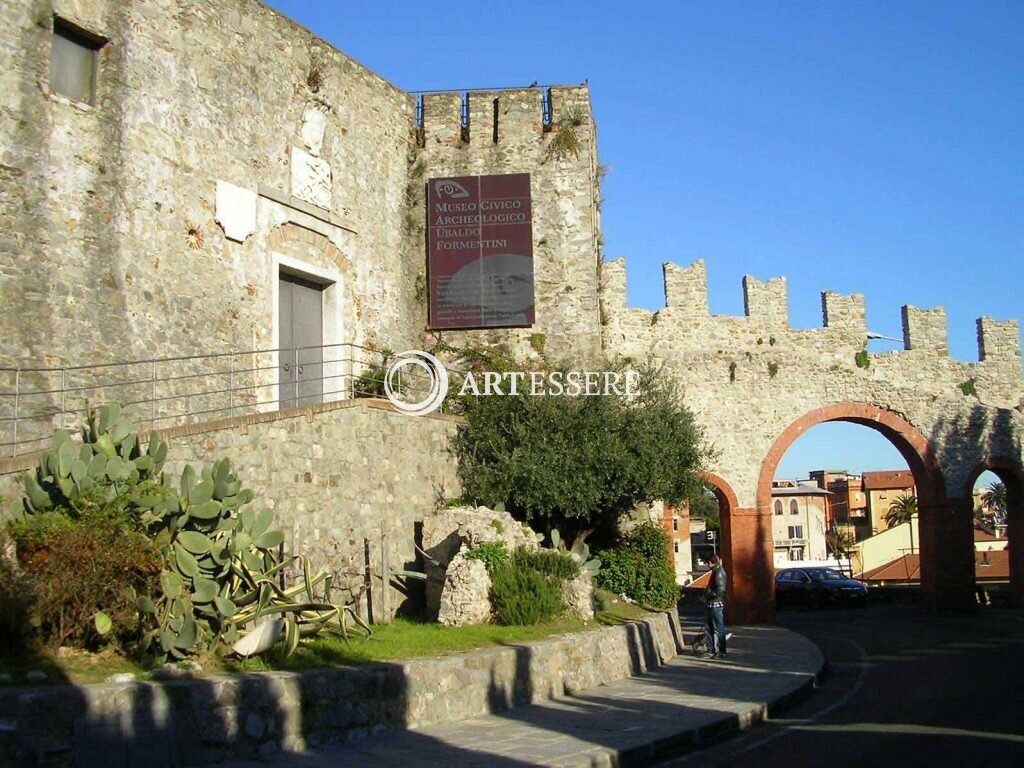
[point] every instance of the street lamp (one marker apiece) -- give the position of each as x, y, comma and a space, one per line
872, 336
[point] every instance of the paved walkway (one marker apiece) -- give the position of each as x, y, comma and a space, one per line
633, 722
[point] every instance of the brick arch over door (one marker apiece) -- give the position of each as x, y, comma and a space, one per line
1011, 474
723, 492
728, 509
294, 233
351, 301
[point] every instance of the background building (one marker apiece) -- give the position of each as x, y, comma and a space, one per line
799, 513
882, 489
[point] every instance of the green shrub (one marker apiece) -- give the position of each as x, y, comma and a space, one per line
639, 567
579, 464
79, 568
557, 566
36, 532
521, 595
493, 554
370, 383
527, 588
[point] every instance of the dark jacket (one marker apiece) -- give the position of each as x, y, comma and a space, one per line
718, 584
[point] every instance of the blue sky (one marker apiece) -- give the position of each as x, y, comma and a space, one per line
860, 147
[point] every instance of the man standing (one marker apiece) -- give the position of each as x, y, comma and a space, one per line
715, 626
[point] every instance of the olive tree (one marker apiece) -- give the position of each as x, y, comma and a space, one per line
579, 464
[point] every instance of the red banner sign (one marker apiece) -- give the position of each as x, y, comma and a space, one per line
480, 251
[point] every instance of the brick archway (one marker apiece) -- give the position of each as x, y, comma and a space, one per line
746, 570
947, 546
1011, 474
726, 496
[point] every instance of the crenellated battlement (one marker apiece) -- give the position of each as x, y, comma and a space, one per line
767, 301
685, 324
498, 117
925, 329
998, 341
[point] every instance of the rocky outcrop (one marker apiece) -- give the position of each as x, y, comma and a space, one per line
449, 531
579, 596
465, 597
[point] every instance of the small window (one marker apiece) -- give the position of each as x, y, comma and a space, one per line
675, 546
73, 61
794, 508
796, 531
778, 507
675, 523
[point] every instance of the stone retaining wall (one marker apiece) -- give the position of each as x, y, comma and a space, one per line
199, 721
336, 475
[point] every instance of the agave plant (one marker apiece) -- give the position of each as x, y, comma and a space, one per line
222, 568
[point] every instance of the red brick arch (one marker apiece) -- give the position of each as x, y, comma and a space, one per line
911, 444
1009, 471
1011, 474
726, 496
947, 549
294, 233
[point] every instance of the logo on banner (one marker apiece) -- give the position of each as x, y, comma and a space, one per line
449, 188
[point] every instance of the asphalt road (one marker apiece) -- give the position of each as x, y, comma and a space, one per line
905, 689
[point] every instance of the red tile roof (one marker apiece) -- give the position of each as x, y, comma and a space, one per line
905, 568
885, 479
908, 568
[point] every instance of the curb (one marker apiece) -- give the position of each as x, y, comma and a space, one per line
723, 728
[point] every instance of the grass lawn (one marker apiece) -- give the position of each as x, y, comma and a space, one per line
401, 639
406, 639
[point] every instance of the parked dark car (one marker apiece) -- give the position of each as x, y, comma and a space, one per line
817, 587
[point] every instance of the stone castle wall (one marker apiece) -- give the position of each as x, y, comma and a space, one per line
225, 142
113, 248
748, 378
566, 196
756, 385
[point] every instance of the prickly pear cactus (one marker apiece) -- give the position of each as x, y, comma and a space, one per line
222, 570
109, 460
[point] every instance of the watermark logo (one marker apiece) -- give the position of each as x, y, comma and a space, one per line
438, 378
486, 383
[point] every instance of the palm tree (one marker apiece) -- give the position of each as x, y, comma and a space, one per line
840, 541
994, 500
901, 510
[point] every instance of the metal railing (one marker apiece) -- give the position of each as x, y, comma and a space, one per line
169, 391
